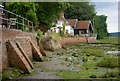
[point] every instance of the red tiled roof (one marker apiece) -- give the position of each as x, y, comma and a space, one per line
82, 25
72, 22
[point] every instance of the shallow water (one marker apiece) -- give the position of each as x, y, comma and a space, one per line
111, 52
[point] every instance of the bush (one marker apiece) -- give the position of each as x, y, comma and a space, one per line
56, 36
39, 36
108, 61
95, 52
109, 74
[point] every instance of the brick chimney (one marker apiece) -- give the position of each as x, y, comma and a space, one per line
62, 15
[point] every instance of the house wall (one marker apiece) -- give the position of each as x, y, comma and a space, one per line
77, 31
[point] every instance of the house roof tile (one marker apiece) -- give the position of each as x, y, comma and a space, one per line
72, 22
82, 25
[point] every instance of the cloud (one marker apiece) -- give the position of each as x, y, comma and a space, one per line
110, 10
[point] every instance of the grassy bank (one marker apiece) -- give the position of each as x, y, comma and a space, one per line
108, 40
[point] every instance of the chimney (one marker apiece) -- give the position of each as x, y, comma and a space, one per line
62, 15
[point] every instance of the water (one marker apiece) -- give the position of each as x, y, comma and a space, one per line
111, 52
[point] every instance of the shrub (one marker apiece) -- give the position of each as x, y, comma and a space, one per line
108, 61
56, 36
109, 74
39, 36
95, 52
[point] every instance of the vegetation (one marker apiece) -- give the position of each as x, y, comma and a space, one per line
95, 52
56, 36
39, 36
63, 31
100, 26
109, 40
41, 13
109, 74
81, 11
109, 61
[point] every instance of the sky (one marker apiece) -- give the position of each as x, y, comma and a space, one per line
110, 9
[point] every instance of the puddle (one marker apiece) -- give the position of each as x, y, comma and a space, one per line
111, 52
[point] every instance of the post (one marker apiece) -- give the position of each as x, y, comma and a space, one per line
28, 25
23, 24
17, 21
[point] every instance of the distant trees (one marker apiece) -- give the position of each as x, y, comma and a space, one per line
80, 11
100, 26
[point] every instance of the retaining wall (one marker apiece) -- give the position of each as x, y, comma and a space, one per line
17, 35
67, 40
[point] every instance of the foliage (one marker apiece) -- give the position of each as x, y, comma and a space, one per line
54, 25
43, 13
32, 16
11, 73
108, 40
100, 26
81, 11
109, 61
95, 52
49, 12
55, 35
109, 74
39, 36
22, 9
63, 31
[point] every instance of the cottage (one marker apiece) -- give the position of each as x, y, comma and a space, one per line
68, 28
73, 26
83, 28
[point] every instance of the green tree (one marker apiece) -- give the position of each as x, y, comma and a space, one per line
48, 13
81, 11
100, 26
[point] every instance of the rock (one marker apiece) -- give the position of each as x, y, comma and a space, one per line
93, 76
49, 43
88, 54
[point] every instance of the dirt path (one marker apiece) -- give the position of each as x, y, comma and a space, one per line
52, 62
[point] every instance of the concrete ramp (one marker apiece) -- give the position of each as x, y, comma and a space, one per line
16, 58
36, 53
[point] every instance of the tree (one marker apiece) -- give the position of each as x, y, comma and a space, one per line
100, 26
81, 11
48, 13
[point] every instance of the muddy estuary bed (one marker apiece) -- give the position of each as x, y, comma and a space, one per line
79, 61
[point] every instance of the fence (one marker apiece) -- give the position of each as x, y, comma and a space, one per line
28, 26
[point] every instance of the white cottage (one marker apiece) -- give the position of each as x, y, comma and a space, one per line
59, 26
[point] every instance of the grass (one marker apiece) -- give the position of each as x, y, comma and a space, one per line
109, 61
55, 35
109, 40
83, 74
94, 52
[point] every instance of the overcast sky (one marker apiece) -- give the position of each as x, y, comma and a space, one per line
109, 9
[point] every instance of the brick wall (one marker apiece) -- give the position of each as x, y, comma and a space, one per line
17, 35
66, 40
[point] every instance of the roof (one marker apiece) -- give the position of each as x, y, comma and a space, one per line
82, 25
72, 22
62, 19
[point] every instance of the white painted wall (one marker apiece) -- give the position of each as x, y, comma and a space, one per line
67, 27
